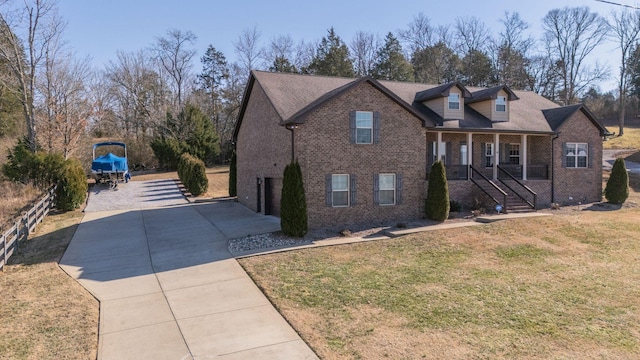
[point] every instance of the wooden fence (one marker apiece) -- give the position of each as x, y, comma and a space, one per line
10, 240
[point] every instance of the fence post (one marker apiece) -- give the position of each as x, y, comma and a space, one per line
17, 235
4, 248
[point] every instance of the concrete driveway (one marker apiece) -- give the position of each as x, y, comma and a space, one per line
609, 157
168, 287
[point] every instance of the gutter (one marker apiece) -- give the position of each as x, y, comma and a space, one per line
553, 168
292, 127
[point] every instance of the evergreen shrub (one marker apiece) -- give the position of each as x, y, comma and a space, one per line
617, 189
437, 203
293, 204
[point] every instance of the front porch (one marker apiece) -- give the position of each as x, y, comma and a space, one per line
524, 156
510, 168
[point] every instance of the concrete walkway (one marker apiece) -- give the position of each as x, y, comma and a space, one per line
169, 289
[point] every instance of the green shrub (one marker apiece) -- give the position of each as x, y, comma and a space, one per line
617, 189
454, 206
233, 190
71, 190
437, 202
192, 174
40, 169
167, 151
293, 204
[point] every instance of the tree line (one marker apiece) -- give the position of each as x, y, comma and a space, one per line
166, 92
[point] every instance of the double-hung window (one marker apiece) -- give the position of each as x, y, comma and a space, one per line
501, 104
514, 154
340, 190
454, 101
387, 195
488, 154
576, 155
364, 127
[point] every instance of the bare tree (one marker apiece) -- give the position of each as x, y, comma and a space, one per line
625, 27
363, 52
471, 34
174, 53
511, 52
25, 31
570, 35
248, 49
139, 92
419, 35
280, 47
70, 105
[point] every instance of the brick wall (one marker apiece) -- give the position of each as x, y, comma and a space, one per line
323, 147
573, 185
263, 148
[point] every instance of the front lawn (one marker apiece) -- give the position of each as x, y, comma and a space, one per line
566, 286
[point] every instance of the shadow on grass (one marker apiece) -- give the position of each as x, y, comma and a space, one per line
48, 246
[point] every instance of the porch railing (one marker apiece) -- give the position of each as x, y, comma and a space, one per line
503, 175
482, 179
534, 172
457, 172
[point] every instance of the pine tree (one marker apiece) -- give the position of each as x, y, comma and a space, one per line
437, 203
617, 189
293, 204
331, 58
391, 63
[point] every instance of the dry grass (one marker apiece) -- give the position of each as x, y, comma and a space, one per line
44, 314
630, 139
14, 198
218, 180
566, 286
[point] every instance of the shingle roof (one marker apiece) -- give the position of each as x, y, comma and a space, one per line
491, 94
293, 96
557, 116
440, 91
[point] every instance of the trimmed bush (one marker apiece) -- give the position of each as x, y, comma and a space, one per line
72, 186
617, 189
193, 175
437, 202
233, 190
293, 204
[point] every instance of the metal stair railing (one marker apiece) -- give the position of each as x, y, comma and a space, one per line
496, 187
531, 204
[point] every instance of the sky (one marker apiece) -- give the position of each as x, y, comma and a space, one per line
99, 29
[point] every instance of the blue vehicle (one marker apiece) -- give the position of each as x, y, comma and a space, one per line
110, 168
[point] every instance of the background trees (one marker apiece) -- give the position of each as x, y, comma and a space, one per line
59, 102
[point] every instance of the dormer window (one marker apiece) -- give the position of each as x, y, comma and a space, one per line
501, 104
454, 101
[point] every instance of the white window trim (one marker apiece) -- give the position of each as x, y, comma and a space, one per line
576, 156
457, 101
392, 189
464, 155
360, 127
489, 152
503, 103
514, 156
348, 190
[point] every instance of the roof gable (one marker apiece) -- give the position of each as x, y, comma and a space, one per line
441, 91
557, 116
491, 94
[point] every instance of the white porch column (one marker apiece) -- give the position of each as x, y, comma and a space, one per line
469, 153
438, 142
496, 155
523, 156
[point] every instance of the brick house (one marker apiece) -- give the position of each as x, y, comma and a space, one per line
365, 147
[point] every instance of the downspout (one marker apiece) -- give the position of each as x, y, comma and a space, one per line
553, 168
291, 128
